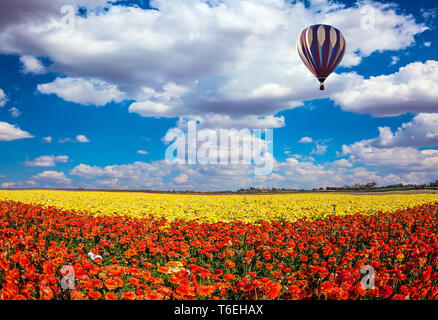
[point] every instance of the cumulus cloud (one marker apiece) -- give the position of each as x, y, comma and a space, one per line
31, 64
411, 89
6, 185
14, 112
135, 175
320, 149
290, 173
181, 178
46, 161
64, 140
9, 132
81, 138
142, 152
398, 160
394, 60
56, 178
219, 121
83, 91
47, 139
342, 163
422, 131
18, 184
231, 58
305, 140
3, 98
307, 174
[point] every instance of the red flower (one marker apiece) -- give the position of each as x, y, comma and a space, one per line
230, 277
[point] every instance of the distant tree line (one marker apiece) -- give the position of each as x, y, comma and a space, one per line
370, 186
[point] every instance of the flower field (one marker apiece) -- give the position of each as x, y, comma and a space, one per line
215, 208
66, 251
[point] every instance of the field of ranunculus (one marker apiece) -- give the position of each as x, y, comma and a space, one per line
215, 208
54, 253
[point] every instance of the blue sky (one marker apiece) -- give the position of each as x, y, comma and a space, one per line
86, 99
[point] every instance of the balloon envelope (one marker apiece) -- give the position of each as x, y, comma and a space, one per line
321, 47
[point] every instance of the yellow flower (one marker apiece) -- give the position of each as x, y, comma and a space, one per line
213, 208
400, 257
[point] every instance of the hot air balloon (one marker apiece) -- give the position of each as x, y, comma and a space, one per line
321, 47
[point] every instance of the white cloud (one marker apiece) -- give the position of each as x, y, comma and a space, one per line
429, 14
135, 175
422, 131
7, 185
47, 139
305, 140
427, 44
142, 152
342, 163
87, 171
14, 112
219, 121
307, 174
320, 149
46, 161
291, 173
403, 160
53, 177
232, 58
83, 91
394, 60
31, 65
411, 89
18, 184
82, 138
181, 178
150, 109
3, 98
9, 132
64, 140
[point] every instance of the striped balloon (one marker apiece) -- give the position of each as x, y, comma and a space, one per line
321, 47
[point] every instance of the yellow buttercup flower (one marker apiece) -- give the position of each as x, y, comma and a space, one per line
213, 208
400, 257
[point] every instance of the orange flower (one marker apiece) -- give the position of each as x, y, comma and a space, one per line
110, 284
162, 269
111, 296
153, 295
97, 284
46, 293
24, 261
185, 247
204, 291
119, 281
230, 277
273, 289
129, 295
94, 294
48, 268
229, 264
134, 281
77, 295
